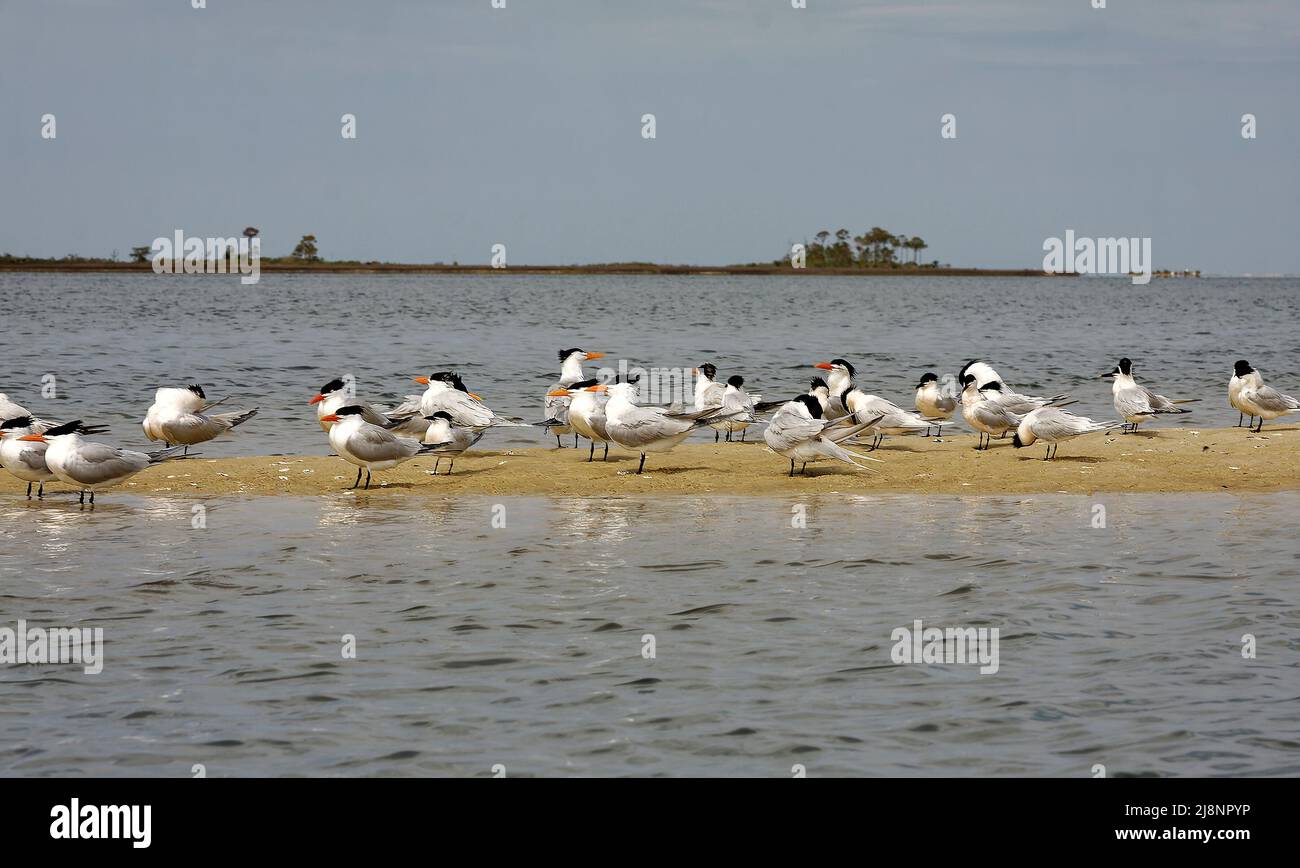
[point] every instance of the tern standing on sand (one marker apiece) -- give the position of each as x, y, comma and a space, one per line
587, 414
646, 429
1136, 404
933, 401
556, 407
454, 438
987, 417
25, 459
1052, 425
1261, 400
369, 446
92, 466
799, 432
177, 417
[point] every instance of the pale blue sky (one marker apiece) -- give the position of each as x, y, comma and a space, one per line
522, 126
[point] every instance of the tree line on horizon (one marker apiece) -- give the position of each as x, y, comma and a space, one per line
875, 248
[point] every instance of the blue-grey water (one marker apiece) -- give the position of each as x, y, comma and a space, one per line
522, 646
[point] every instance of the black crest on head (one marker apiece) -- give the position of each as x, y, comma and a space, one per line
736, 381
564, 354
709, 370
198, 390
817, 383
991, 386
1242, 368
441, 414
350, 410
584, 384
961, 375
927, 378
814, 406
65, 428
967, 379
448, 377
844, 364
331, 386
16, 422
1125, 366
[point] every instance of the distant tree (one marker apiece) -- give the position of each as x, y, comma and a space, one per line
306, 249
141, 254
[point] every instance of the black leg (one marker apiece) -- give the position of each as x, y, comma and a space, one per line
803, 471
575, 440
558, 444
591, 456
451, 465
29, 491
185, 451
92, 497
82, 499
641, 466
41, 493
436, 462
606, 452
715, 436
358, 482
367, 488
792, 468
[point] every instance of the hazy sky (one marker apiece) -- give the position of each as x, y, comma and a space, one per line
523, 126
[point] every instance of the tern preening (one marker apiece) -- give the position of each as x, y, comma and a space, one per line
91, 466
587, 414
556, 406
855, 402
447, 392
986, 416
336, 394
729, 399
936, 400
1136, 403
1052, 425
647, 429
25, 459
799, 431
453, 439
178, 417
988, 380
370, 447
1259, 399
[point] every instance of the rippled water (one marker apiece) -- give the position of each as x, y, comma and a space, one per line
110, 340
521, 645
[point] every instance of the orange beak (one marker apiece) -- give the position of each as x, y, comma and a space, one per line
475, 397
598, 388
559, 393
34, 438
825, 366
332, 417
423, 381
591, 356
317, 399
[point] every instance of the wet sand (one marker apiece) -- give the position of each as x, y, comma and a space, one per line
1230, 459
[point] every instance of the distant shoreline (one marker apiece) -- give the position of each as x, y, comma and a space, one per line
55, 266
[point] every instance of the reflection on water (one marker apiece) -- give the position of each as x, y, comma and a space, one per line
520, 641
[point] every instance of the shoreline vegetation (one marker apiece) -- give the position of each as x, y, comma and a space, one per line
1227, 460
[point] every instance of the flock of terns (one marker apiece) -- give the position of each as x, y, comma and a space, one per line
447, 419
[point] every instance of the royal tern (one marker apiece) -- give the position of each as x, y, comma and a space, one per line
455, 438
555, 407
647, 429
91, 466
848, 399
446, 392
798, 431
587, 414
26, 459
1262, 400
1134, 403
336, 394
177, 417
986, 416
709, 395
935, 400
370, 447
1008, 397
839, 377
1052, 425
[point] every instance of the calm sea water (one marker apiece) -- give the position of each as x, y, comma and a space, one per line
523, 645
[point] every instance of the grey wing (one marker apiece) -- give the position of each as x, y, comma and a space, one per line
409, 407
1132, 402
33, 459
556, 407
788, 429
993, 415
1270, 399
194, 428
464, 410
646, 426
95, 462
377, 444
1053, 424
373, 415
712, 396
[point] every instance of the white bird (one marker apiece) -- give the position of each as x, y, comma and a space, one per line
798, 431
177, 417
1008, 397
1134, 403
739, 406
647, 429
852, 400
986, 416
587, 414
454, 439
1242, 375
446, 391
336, 394
556, 407
91, 466
1052, 425
26, 459
370, 447
983, 373
1262, 400
936, 400
711, 395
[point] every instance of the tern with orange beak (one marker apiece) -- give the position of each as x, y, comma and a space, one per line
446, 392
88, 466
25, 459
648, 429
586, 413
555, 406
336, 394
369, 446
